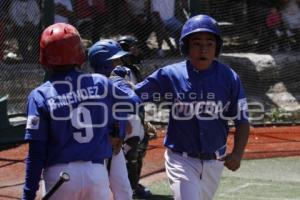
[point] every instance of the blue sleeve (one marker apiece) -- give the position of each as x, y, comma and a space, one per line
37, 122
123, 92
125, 102
153, 86
124, 88
34, 165
238, 106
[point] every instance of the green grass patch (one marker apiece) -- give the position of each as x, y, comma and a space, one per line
263, 179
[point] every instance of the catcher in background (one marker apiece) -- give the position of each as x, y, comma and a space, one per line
68, 121
137, 152
203, 95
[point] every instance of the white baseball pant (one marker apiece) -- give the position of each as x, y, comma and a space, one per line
191, 178
88, 181
118, 178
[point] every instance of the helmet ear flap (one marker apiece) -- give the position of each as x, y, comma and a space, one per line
184, 47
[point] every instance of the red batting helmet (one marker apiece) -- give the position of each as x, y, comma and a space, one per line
60, 44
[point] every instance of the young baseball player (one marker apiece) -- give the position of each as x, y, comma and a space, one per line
203, 95
103, 57
68, 121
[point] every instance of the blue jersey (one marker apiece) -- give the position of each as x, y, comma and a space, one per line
201, 104
72, 113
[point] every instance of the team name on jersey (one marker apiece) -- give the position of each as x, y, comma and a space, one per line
199, 107
73, 97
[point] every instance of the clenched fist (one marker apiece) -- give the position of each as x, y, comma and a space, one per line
232, 161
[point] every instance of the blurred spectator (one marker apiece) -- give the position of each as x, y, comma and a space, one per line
162, 34
182, 10
166, 10
139, 23
275, 32
100, 11
25, 14
63, 11
93, 17
256, 15
84, 17
165, 22
273, 20
291, 18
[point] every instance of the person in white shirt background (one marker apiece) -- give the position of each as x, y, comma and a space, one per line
25, 15
63, 11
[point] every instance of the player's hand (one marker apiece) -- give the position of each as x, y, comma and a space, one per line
120, 71
116, 144
232, 161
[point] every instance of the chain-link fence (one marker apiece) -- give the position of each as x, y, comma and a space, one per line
261, 41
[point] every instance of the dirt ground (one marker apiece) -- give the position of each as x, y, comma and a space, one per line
264, 142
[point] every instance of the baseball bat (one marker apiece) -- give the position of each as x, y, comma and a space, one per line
63, 177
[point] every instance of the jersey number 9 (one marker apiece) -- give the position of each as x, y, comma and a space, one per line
81, 118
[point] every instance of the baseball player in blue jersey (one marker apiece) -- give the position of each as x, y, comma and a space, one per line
203, 95
69, 120
103, 56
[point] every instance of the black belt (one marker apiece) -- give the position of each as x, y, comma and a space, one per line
201, 156
98, 161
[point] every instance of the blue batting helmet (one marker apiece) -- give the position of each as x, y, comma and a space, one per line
102, 53
196, 24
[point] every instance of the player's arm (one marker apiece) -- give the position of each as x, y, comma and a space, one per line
238, 109
157, 84
233, 160
124, 101
122, 91
34, 166
36, 135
